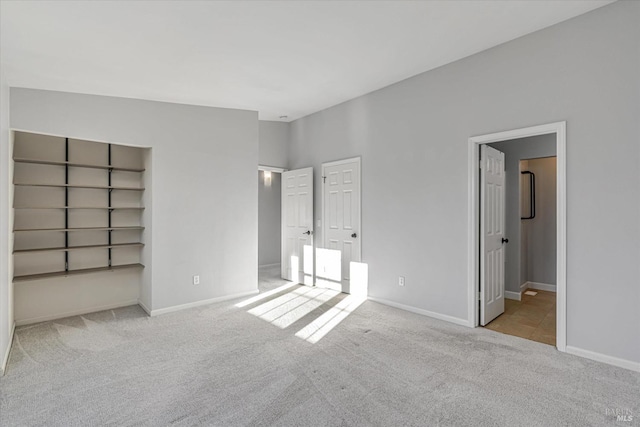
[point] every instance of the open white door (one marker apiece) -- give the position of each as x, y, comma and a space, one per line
297, 226
492, 211
342, 233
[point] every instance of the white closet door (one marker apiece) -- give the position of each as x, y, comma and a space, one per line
342, 231
297, 226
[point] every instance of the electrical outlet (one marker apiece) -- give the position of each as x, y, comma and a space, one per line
401, 281
319, 223
196, 280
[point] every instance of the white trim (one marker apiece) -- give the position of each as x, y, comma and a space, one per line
277, 264
434, 315
145, 308
518, 133
541, 286
561, 238
559, 129
517, 296
599, 357
343, 161
104, 141
75, 313
337, 163
5, 360
271, 169
160, 311
524, 287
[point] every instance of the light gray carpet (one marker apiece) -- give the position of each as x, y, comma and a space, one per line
220, 365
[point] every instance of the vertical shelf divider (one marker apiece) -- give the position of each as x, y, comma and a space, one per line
109, 203
66, 203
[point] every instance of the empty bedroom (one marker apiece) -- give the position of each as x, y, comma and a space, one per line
306, 213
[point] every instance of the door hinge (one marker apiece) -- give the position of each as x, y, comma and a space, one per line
324, 179
479, 295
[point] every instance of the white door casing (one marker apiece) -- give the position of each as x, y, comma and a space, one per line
559, 129
341, 202
297, 226
492, 238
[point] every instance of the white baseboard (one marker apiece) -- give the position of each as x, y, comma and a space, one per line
541, 286
144, 307
446, 318
32, 320
513, 295
277, 264
197, 303
7, 355
599, 357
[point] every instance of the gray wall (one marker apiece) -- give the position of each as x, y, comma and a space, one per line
541, 230
413, 139
201, 195
274, 144
269, 219
6, 268
516, 260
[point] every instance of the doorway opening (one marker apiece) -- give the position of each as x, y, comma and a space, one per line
529, 306
269, 224
291, 295
332, 257
517, 240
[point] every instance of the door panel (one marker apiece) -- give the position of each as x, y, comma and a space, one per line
297, 226
333, 210
347, 215
341, 212
492, 208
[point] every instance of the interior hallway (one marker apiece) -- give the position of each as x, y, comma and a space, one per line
533, 318
220, 364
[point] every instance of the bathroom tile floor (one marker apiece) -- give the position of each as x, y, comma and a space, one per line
533, 318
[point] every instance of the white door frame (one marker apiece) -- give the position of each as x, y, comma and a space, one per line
324, 228
275, 169
559, 129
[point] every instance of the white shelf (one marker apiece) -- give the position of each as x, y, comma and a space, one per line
30, 277
92, 187
135, 227
77, 248
82, 207
75, 164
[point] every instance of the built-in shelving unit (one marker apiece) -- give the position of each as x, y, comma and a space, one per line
66, 196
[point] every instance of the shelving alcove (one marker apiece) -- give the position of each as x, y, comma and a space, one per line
77, 207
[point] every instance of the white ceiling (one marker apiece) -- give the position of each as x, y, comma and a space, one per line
281, 58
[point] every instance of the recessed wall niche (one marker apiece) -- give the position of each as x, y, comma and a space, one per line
77, 207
